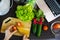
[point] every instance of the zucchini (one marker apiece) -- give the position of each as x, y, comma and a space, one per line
38, 31
34, 27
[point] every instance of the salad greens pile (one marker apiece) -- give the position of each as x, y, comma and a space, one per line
25, 13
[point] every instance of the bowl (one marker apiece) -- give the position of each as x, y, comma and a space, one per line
55, 31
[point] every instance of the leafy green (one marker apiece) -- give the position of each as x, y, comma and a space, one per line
38, 14
25, 13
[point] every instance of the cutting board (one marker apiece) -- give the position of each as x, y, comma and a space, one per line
12, 21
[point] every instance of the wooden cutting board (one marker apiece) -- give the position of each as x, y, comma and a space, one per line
9, 21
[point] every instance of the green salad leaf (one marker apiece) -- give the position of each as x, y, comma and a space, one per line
25, 13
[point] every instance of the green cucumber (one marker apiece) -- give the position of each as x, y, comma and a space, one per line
34, 27
38, 31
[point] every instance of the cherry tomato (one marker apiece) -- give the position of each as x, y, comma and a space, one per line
19, 24
14, 28
45, 28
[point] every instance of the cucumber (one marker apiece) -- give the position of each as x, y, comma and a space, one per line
34, 27
38, 31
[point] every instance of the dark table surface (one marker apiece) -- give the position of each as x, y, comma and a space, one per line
44, 35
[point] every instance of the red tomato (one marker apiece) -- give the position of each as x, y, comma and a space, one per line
45, 28
14, 28
19, 24
56, 26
